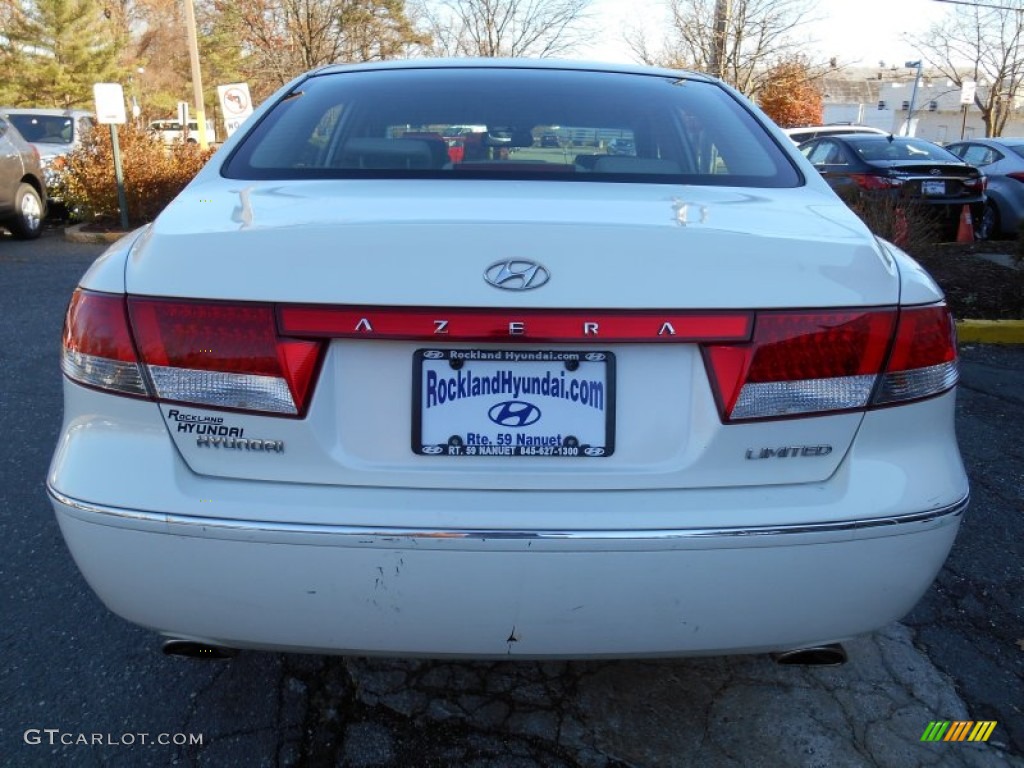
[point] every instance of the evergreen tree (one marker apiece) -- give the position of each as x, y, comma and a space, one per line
53, 51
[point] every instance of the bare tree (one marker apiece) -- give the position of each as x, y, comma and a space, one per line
739, 40
287, 37
985, 44
537, 28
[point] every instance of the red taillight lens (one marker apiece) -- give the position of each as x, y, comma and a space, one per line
1016, 176
819, 345
223, 355
870, 181
97, 345
818, 362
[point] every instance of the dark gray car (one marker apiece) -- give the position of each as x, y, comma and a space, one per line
22, 192
1002, 162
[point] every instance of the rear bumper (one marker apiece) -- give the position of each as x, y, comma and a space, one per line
499, 593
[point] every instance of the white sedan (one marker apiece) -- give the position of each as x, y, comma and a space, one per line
374, 384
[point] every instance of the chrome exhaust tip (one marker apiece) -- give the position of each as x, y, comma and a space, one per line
830, 655
193, 649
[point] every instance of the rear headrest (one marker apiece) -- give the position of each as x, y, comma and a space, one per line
386, 154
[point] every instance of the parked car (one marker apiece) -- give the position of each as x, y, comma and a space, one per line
344, 397
22, 191
621, 147
911, 168
1002, 162
550, 140
55, 133
808, 132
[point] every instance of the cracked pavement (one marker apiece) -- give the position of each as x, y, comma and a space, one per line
71, 665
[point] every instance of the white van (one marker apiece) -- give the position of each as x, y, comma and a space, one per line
170, 131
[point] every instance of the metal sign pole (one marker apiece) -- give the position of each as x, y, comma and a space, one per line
122, 199
110, 111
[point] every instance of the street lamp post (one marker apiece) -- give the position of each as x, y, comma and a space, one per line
913, 94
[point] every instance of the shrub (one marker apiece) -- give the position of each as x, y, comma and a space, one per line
911, 225
154, 174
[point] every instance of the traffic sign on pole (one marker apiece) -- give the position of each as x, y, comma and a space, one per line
235, 105
109, 98
967, 90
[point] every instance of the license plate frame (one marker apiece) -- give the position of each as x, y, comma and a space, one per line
492, 402
933, 188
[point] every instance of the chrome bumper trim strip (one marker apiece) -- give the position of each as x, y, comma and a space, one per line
97, 513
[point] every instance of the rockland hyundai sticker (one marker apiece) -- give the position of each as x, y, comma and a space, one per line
213, 432
511, 402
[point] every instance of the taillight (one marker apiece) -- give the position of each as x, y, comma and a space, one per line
976, 184
97, 347
801, 363
223, 355
923, 359
216, 354
1016, 176
871, 181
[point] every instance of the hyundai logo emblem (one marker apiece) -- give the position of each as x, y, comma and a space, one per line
432, 450
514, 413
593, 451
516, 275
594, 356
433, 354
936, 171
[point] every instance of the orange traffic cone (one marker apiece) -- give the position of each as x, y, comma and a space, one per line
965, 232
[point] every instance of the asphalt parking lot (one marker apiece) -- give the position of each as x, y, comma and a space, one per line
81, 687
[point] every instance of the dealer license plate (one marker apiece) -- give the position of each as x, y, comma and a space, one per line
933, 187
513, 402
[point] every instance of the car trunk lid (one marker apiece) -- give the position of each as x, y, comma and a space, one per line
369, 253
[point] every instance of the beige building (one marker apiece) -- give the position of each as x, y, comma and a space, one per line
881, 98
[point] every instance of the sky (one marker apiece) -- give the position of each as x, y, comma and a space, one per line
856, 32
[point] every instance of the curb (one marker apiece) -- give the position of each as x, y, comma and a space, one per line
990, 331
77, 234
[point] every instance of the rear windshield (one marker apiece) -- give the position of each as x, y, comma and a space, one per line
512, 123
44, 129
